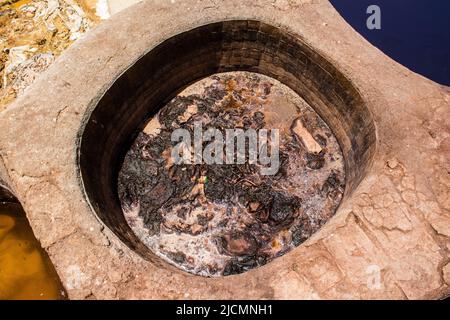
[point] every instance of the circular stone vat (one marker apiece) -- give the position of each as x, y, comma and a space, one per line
118, 147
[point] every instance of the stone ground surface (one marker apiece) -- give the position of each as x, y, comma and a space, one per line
394, 228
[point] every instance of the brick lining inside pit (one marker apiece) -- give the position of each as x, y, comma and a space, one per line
157, 77
222, 219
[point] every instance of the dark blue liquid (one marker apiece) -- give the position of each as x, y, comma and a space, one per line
415, 33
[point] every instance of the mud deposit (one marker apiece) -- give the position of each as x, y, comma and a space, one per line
223, 219
32, 34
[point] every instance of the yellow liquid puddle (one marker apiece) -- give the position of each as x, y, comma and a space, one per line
18, 4
26, 272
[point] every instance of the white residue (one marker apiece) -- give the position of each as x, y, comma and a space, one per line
102, 9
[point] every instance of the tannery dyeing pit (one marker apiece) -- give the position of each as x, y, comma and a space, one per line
66, 142
222, 219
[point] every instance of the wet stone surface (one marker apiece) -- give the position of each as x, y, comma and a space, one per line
223, 219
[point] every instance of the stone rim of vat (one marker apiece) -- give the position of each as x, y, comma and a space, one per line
38, 148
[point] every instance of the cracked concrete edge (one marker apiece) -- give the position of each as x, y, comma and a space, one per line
3, 174
6, 192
